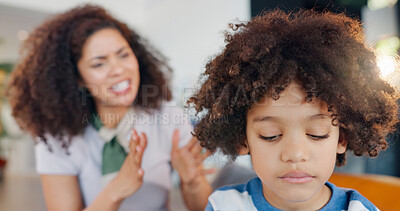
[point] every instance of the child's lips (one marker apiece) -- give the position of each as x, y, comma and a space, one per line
297, 177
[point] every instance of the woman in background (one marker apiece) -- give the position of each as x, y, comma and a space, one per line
83, 82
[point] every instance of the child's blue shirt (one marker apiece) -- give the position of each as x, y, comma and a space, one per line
249, 197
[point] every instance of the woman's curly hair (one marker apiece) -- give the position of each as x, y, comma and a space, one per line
44, 91
325, 53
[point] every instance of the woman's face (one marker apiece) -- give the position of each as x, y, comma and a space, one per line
109, 69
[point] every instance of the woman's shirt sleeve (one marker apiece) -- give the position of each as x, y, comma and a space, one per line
53, 159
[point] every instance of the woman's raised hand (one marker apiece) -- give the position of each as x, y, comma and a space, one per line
188, 160
130, 176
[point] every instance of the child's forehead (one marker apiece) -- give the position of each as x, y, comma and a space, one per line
291, 94
293, 97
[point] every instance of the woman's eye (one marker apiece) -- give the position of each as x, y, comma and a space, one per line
97, 65
315, 137
270, 138
124, 55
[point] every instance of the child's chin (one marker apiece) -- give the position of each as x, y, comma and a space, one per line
298, 196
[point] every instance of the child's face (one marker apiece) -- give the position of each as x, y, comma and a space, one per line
293, 148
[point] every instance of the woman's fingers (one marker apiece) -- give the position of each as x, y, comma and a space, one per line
197, 152
140, 173
143, 140
175, 141
139, 155
140, 149
196, 149
137, 146
193, 151
204, 155
191, 144
208, 171
134, 141
131, 173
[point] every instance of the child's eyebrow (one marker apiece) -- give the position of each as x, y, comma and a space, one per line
276, 119
265, 118
319, 116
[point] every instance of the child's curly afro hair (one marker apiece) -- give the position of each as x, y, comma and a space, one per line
325, 53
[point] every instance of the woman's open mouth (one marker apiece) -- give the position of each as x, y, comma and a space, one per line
121, 87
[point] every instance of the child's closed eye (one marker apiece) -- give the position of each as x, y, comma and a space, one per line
270, 138
316, 137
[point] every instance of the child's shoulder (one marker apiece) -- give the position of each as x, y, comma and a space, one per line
237, 197
348, 199
249, 197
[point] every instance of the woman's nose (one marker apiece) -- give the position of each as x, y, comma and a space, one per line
116, 66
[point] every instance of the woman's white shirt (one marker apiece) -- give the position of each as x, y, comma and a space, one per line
85, 157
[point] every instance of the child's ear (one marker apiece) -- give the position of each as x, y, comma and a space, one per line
342, 145
244, 149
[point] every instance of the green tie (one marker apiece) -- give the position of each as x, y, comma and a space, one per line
113, 153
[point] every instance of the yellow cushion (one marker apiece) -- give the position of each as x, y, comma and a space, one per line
383, 191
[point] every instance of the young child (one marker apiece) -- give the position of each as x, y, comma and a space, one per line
295, 91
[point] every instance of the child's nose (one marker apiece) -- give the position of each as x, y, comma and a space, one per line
295, 151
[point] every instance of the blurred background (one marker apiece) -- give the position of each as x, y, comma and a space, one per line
189, 34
